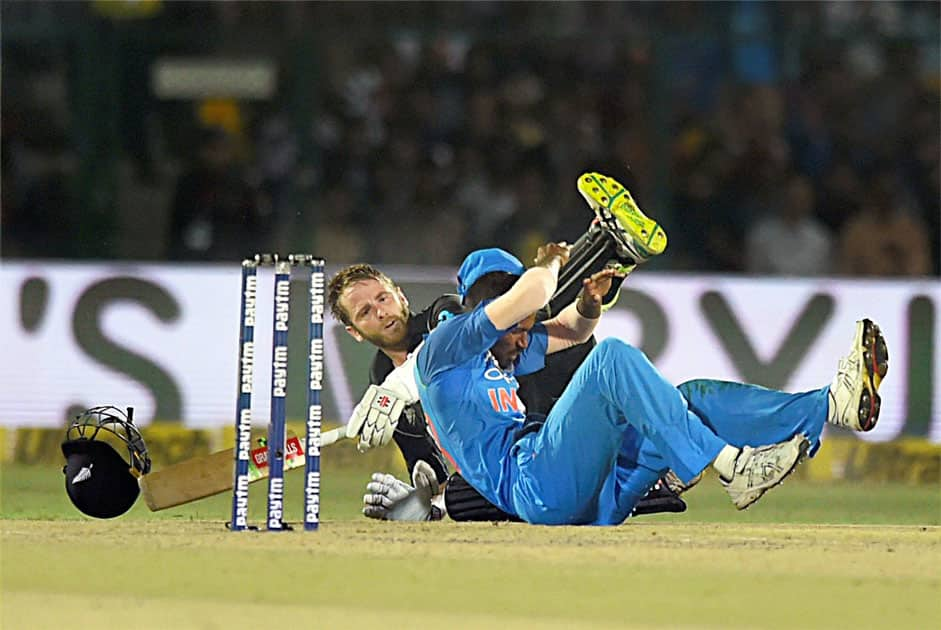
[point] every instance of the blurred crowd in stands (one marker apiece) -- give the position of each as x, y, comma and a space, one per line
771, 138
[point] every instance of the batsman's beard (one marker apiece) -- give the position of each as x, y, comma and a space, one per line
392, 338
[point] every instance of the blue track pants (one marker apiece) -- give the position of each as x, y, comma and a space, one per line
620, 425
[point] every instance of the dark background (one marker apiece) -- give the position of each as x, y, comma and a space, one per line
769, 138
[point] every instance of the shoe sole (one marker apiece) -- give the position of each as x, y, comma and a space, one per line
875, 364
675, 484
802, 447
617, 210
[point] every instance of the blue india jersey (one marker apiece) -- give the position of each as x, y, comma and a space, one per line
471, 404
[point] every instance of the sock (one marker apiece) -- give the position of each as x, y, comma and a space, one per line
831, 407
725, 461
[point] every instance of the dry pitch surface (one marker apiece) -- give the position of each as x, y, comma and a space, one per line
183, 570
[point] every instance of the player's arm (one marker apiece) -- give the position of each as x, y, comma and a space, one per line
577, 321
391, 396
376, 415
532, 291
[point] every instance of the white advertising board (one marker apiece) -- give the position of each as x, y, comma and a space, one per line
164, 338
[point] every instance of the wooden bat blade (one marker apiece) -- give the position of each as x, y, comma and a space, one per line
202, 477
187, 481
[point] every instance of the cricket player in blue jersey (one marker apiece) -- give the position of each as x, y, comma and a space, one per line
618, 425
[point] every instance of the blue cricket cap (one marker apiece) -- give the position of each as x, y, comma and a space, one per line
484, 261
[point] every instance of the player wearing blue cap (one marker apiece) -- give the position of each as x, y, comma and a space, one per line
853, 400
618, 425
373, 309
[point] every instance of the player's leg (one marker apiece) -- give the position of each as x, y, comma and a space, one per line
744, 414
750, 415
540, 391
639, 237
854, 393
595, 250
638, 468
563, 467
464, 503
620, 236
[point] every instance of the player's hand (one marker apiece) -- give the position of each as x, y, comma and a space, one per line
374, 418
377, 414
594, 288
547, 252
598, 284
424, 478
391, 499
383, 493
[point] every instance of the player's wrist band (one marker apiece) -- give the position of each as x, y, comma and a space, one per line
580, 306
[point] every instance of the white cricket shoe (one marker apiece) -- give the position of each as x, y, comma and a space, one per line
757, 470
854, 398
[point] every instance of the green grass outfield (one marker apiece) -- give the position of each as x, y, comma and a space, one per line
806, 556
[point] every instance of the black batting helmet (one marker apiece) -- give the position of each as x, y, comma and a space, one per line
99, 481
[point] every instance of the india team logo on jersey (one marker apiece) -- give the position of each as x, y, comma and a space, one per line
504, 399
494, 373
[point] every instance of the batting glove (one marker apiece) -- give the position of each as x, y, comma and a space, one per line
375, 417
377, 414
390, 499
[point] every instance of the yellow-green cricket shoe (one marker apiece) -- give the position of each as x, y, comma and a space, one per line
639, 236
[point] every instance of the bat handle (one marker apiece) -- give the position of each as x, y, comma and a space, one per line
333, 435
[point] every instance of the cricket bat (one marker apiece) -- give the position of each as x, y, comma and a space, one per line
202, 477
